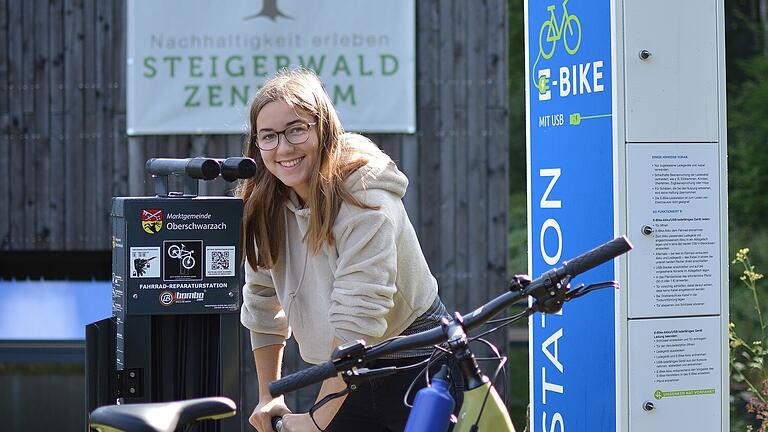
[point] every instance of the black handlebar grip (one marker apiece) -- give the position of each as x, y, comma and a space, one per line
277, 423
237, 168
202, 168
597, 256
302, 378
196, 168
165, 166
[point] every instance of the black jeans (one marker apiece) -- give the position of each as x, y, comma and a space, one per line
377, 405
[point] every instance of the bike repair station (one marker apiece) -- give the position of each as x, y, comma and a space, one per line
174, 331
627, 135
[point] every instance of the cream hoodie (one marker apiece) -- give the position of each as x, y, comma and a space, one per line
371, 284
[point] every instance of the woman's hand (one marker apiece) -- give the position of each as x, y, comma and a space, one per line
261, 419
299, 423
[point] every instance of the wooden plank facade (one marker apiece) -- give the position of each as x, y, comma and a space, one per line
64, 152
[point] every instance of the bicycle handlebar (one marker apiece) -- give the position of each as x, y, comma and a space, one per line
303, 378
537, 288
597, 256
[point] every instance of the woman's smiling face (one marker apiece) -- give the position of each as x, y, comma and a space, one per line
292, 164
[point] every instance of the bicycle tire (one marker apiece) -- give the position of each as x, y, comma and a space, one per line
568, 21
541, 41
174, 252
186, 260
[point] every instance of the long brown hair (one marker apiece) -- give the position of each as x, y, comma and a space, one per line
264, 194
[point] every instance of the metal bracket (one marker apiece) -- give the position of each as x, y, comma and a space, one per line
163, 189
130, 383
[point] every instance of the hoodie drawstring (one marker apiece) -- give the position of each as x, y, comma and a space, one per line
293, 294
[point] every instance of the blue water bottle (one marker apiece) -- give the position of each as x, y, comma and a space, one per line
432, 407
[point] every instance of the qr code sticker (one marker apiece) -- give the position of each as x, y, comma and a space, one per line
220, 261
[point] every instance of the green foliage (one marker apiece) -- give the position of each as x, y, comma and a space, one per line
517, 240
744, 36
749, 372
517, 396
742, 310
747, 140
517, 235
517, 156
747, 93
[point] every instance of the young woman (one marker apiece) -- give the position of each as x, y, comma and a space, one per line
331, 255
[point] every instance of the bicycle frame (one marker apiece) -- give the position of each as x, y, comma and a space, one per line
484, 399
557, 29
481, 405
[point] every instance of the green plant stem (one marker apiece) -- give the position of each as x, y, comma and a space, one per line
752, 387
759, 314
753, 287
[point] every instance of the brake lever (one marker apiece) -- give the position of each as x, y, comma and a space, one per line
354, 377
581, 290
561, 293
550, 298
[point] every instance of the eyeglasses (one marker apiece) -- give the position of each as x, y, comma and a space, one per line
295, 134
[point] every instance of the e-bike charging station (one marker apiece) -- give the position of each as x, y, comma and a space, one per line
175, 287
627, 135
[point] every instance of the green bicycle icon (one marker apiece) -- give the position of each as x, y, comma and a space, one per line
569, 30
569, 24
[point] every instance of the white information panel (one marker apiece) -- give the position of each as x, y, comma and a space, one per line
673, 218
674, 364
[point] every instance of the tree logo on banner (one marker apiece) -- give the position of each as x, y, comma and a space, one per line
269, 10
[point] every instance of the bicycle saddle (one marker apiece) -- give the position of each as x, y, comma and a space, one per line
160, 417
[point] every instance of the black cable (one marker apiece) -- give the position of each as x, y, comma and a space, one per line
505, 322
338, 394
498, 320
488, 393
434, 357
389, 341
502, 365
414, 365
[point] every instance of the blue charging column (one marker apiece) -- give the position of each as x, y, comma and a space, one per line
571, 202
626, 136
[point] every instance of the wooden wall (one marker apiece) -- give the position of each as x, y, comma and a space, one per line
64, 152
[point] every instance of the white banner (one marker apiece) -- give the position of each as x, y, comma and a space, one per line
194, 65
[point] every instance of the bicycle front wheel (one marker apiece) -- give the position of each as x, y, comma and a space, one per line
547, 40
572, 34
188, 262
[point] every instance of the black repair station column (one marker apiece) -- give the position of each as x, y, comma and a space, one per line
176, 285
